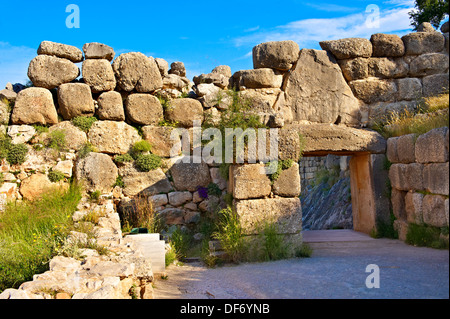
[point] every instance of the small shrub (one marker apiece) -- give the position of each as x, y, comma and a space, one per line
304, 251
119, 182
147, 163
140, 214
95, 196
180, 242
214, 190
273, 244
230, 234
84, 123
55, 176
5, 144
85, 150
425, 235
123, 158
16, 153
142, 146
57, 140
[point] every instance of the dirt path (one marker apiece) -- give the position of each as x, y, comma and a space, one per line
335, 270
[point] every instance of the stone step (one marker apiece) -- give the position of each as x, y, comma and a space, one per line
152, 248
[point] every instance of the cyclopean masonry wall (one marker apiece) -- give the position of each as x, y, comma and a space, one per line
327, 95
419, 177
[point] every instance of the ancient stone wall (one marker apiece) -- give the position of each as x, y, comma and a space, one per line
419, 177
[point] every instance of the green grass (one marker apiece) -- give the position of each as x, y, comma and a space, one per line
426, 235
84, 123
31, 233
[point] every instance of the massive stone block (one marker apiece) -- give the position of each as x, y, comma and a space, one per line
435, 178
435, 84
387, 45
96, 50
317, 91
423, 42
75, 138
75, 99
406, 149
61, 51
288, 183
431, 146
144, 109
348, 48
260, 78
136, 71
50, 72
286, 213
97, 172
189, 176
113, 137
249, 181
428, 64
34, 106
159, 138
110, 106
99, 75
434, 210
413, 207
406, 176
388, 68
144, 183
355, 69
185, 112
374, 90
280, 55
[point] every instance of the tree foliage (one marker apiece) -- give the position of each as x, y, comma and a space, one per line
433, 11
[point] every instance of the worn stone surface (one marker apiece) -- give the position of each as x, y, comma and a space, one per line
280, 55
179, 198
97, 172
374, 90
348, 48
75, 138
184, 112
110, 106
435, 178
5, 113
391, 150
387, 45
398, 204
75, 99
328, 137
59, 50
34, 106
428, 64
409, 89
189, 176
406, 149
318, 92
285, 212
355, 69
96, 50
144, 109
431, 146
434, 210
159, 138
34, 186
388, 68
249, 181
20, 134
423, 42
260, 78
50, 72
113, 137
99, 75
177, 68
136, 71
163, 66
406, 176
436, 84
288, 183
413, 207
144, 183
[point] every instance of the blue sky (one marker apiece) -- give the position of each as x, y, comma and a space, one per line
202, 34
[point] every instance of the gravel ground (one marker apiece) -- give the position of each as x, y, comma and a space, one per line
335, 270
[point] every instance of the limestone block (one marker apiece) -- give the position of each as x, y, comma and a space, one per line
434, 85
110, 106
144, 183
286, 213
75, 138
280, 55
348, 48
374, 90
163, 66
387, 45
172, 216
159, 200
143, 109
21, 134
355, 69
431, 146
97, 172
184, 112
406, 149
423, 42
179, 198
388, 68
435, 178
50, 72
136, 71
61, 51
159, 138
428, 64
413, 207
5, 113
288, 183
36, 185
316, 90
220, 80
434, 210
189, 176
75, 99
249, 181
409, 89
34, 106
406, 176
96, 50
260, 78
65, 167
177, 68
391, 152
398, 204
99, 75
113, 137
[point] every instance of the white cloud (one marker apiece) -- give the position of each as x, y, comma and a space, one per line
330, 7
14, 61
309, 32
